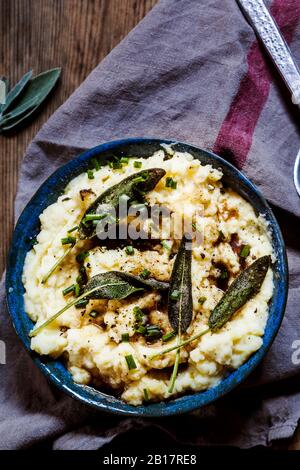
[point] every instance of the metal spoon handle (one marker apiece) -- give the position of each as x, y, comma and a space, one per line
268, 32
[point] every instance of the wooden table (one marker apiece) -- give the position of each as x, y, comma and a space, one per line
41, 34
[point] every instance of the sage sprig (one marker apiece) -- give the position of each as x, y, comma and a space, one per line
109, 285
180, 299
243, 288
134, 187
25, 97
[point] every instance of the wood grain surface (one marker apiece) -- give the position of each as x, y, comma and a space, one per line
41, 34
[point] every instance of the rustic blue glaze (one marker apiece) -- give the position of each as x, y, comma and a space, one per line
28, 226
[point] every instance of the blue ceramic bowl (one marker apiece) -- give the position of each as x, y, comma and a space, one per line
28, 226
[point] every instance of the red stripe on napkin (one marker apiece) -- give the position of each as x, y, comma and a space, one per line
236, 133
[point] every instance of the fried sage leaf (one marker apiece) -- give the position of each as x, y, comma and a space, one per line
110, 285
15, 92
243, 288
180, 301
27, 97
133, 187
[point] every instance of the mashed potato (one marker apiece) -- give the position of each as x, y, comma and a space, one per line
93, 343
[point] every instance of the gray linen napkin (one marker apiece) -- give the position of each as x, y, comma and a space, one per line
192, 71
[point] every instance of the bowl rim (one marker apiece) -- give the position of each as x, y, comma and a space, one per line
100, 400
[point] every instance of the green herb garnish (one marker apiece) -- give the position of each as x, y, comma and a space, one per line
95, 164
180, 300
165, 245
81, 303
68, 290
73, 229
201, 300
146, 395
170, 183
82, 256
90, 174
245, 250
137, 164
129, 250
130, 362
224, 274
125, 338
68, 240
25, 98
134, 186
168, 336
145, 273
243, 288
110, 285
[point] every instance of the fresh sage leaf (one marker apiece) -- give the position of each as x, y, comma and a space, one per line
13, 117
242, 289
3, 92
15, 92
133, 187
29, 99
110, 285
180, 300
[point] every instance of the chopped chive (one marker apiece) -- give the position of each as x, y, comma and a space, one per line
245, 250
129, 250
68, 290
201, 300
168, 336
165, 245
124, 160
141, 329
130, 362
145, 273
138, 313
224, 274
81, 303
153, 331
95, 164
73, 229
175, 295
89, 217
68, 241
146, 394
77, 290
90, 174
82, 256
94, 314
125, 338
115, 165
170, 183
137, 164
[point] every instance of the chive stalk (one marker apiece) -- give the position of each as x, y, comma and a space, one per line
130, 362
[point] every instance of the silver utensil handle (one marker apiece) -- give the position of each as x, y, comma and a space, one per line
268, 32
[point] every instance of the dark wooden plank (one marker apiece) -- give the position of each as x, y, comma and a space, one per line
40, 34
